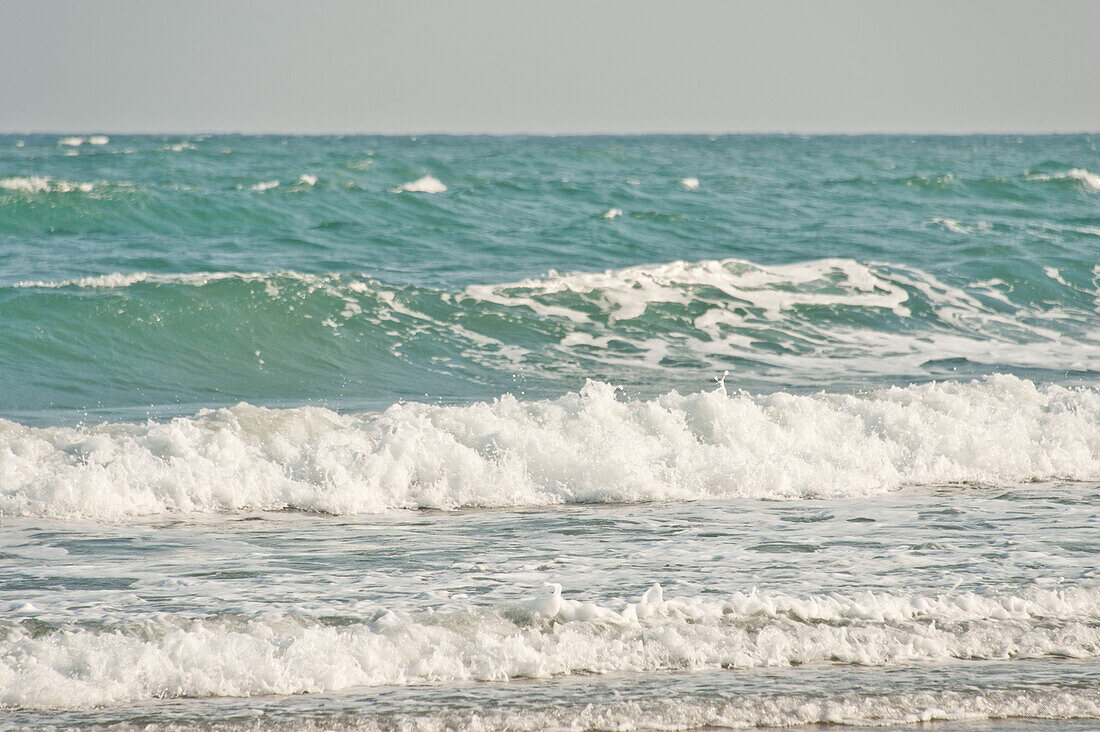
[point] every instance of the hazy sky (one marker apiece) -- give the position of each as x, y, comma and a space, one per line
550, 66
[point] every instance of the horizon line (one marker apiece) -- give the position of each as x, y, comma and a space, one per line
636, 133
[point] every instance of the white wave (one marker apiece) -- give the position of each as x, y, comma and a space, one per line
1091, 180
264, 185
1088, 179
98, 140
171, 656
690, 183
43, 184
305, 179
612, 213
589, 447
427, 184
71, 141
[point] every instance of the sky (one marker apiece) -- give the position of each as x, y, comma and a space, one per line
555, 66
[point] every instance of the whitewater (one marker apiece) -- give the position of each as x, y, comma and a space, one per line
657, 432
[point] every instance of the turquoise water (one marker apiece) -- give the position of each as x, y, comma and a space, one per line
978, 252
586, 432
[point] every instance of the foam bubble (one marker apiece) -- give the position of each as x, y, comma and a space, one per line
171, 656
427, 184
589, 447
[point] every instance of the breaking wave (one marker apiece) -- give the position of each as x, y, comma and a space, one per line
586, 447
292, 336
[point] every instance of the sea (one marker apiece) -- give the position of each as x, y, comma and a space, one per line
572, 433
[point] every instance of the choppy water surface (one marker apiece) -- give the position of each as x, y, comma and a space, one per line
656, 432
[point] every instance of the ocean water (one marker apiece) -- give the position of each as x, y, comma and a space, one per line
549, 433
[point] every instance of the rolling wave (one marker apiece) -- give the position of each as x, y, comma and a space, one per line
587, 447
158, 339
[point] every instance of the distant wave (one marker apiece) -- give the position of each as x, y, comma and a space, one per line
427, 184
43, 184
78, 141
589, 447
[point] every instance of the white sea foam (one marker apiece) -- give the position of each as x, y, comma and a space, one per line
427, 184
71, 141
170, 656
737, 304
612, 213
305, 179
264, 185
629, 292
586, 447
690, 183
98, 140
